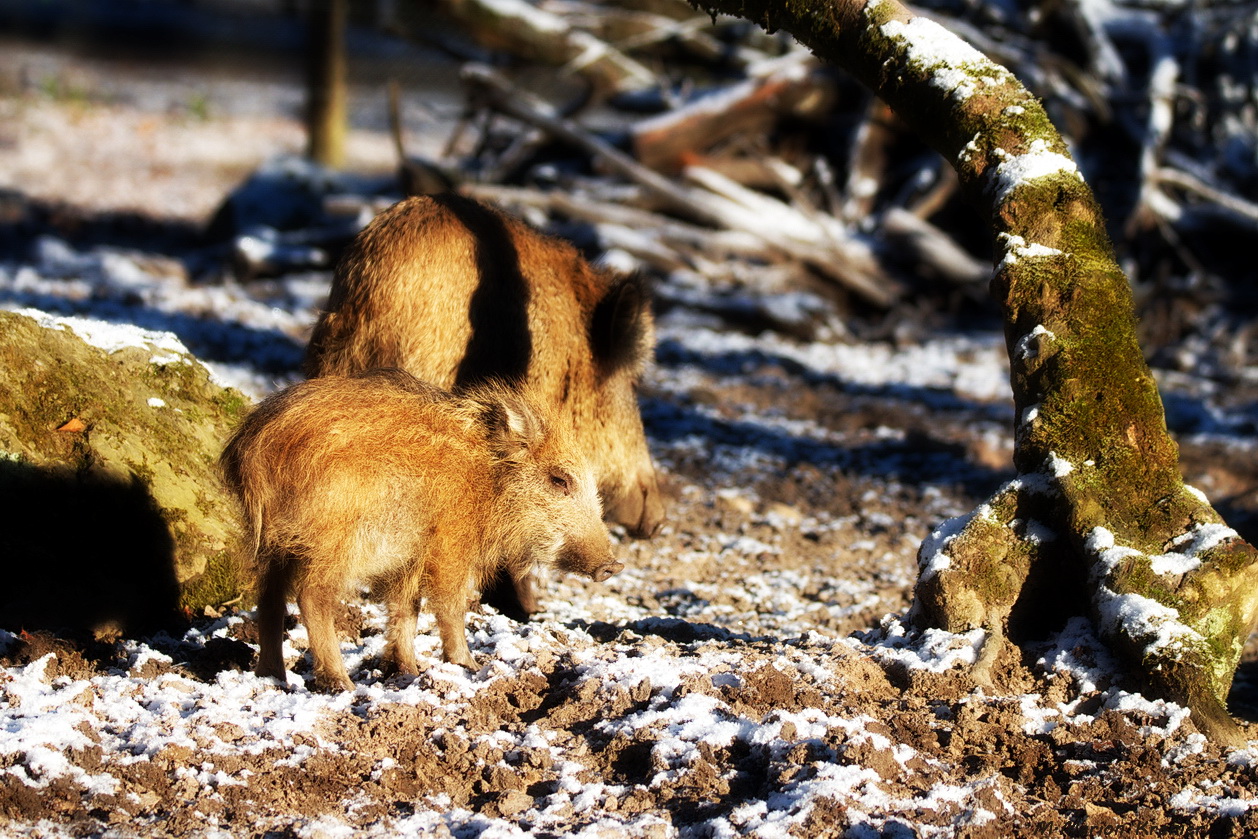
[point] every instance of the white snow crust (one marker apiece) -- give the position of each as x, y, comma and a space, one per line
130, 718
1015, 170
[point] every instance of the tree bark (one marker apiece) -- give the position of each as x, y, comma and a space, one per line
1099, 513
327, 122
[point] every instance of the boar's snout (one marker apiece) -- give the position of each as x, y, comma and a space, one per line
601, 573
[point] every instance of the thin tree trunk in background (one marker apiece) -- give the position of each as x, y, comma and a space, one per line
327, 122
1099, 518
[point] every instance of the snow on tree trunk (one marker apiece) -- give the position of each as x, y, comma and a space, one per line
1099, 514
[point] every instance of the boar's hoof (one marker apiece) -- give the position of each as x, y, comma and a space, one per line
264, 671
604, 571
333, 684
391, 667
466, 662
280, 681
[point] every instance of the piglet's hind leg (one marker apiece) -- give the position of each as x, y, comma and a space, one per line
318, 610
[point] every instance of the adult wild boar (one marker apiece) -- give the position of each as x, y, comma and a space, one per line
386, 480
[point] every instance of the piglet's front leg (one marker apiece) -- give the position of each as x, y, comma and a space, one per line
451, 625
448, 591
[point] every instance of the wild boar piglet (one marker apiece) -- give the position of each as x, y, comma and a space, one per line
421, 493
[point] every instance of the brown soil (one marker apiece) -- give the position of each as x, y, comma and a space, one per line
747, 673
733, 679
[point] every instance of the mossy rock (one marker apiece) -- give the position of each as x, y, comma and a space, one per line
112, 514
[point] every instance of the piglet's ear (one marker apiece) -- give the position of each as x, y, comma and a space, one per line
621, 326
511, 426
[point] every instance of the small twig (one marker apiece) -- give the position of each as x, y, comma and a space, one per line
1244, 211
508, 99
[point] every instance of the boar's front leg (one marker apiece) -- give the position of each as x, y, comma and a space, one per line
318, 609
525, 589
512, 593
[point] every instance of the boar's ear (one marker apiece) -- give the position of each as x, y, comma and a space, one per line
621, 326
511, 426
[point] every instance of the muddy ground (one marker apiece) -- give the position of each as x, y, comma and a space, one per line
752, 672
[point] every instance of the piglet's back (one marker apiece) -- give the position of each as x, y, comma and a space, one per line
355, 417
340, 449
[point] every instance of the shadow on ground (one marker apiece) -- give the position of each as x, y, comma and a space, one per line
83, 553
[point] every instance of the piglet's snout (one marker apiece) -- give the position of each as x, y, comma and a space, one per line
604, 571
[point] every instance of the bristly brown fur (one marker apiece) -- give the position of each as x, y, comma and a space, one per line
386, 480
458, 293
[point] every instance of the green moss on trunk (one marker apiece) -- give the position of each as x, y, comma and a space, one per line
1089, 420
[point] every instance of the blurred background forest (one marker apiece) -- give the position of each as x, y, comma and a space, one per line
751, 181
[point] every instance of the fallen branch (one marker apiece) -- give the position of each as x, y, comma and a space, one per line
631, 30
1237, 209
522, 29
819, 240
783, 86
933, 248
674, 234
502, 96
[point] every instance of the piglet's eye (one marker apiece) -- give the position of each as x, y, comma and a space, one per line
561, 482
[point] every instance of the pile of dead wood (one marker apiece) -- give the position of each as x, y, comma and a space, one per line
731, 161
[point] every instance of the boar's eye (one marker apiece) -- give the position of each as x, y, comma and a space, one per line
561, 482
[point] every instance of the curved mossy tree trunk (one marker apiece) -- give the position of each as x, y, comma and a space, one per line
1099, 514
